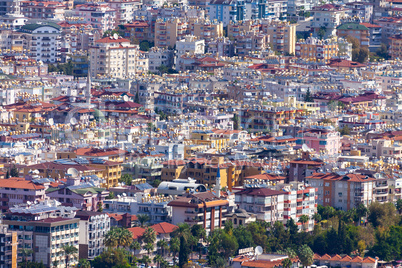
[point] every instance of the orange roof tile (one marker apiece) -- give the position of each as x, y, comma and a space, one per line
164, 228
137, 232
20, 183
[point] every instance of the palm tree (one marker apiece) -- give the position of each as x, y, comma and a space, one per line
135, 245
149, 247
162, 244
174, 247
149, 236
69, 250
84, 263
117, 237
143, 218
26, 252
146, 260
184, 234
303, 219
158, 259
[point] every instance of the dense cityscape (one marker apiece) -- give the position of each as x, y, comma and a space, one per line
200, 133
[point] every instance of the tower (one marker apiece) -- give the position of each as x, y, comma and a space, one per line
217, 187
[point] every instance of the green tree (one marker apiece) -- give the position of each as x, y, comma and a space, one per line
303, 219
149, 247
383, 51
143, 218
220, 262
345, 130
84, 263
146, 260
134, 246
156, 183
236, 122
158, 259
184, 234
149, 236
117, 237
321, 32
229, 245
145, 45
308, 97
244, 237
163, 245
317, 217
100, 207
361, 247
26, 252
126, 179
287, 263
111, 258
363, 55
14, 172
69, 251
399, 205
174, 247
382, 214
305, 255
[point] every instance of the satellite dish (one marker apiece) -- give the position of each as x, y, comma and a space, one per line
125, 98
51, 121
258, 250
115, 36
73, 121
73, 172
305, 148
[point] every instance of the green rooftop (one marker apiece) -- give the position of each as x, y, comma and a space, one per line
352, 26
34, 26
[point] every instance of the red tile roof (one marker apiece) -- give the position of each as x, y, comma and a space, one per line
137, 232
164, 228
20, 183
110, 39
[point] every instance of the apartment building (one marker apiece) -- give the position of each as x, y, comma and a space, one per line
381, 148
257, 120
221, 47
203, 209
124, 9
327, 18
9, 245
113, 55
225, 11
375, 35
343, 191
43, 41
356, 30
303, 167
100, 15
321, 139
395, 48
15, 191
206, 29
314, 48
250, 42
42, 10
389, 27
279, 203
236, 28
282, 35
168, 31
266, 204
139, 31
93, 228
45, 236
158, 57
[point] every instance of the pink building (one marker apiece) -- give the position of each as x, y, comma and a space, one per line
15, 191
322, 139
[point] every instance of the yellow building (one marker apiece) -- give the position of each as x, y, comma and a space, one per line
205, 170
111, 172
314, 48
206, 137
282, 35
206, 29
168, 31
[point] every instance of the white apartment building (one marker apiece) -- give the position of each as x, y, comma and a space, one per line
156, 207
327, 17
124, 9
114, 56
279, 203
93, 228
190, 45
43, 40
158, 57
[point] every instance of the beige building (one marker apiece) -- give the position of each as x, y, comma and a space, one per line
282, 35
206, 29
241, 27
314, 48
168, 31
115, 56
